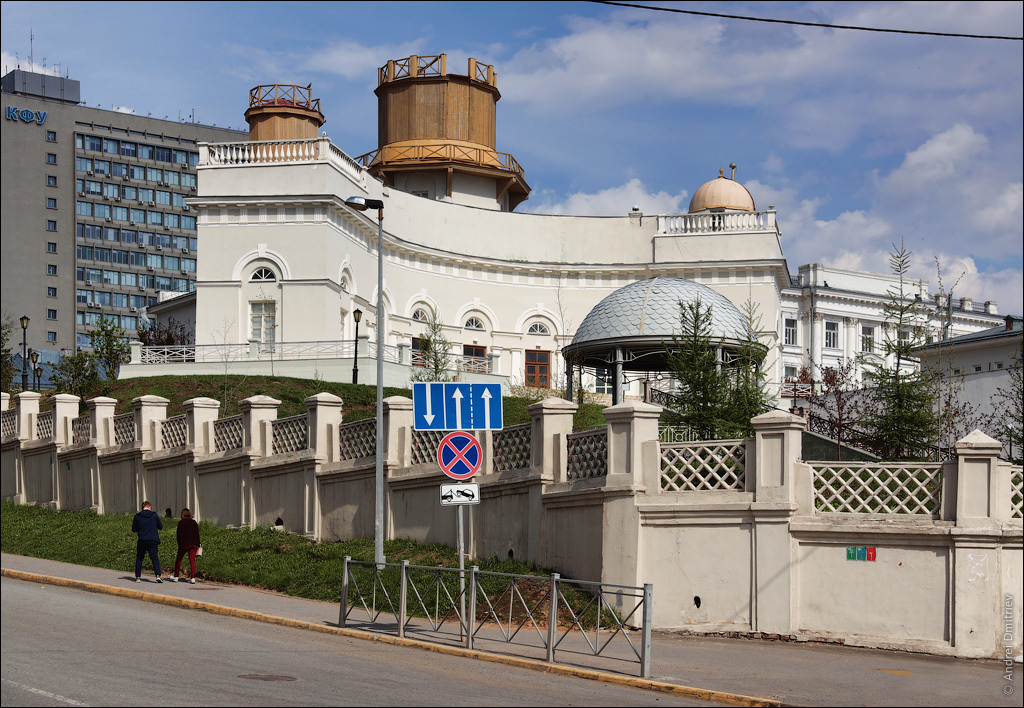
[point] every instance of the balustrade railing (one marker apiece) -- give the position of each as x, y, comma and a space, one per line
124, 429
227, 434
81, 430
718, 465
289, 434
878, 488
702, 223
512, 447
1016, 492
357, 439
173, 432
44, 426
9, 422
264, 351
588, 454
280, 152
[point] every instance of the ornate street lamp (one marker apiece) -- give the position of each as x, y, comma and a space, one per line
362, 204
357, 315
36, 369
24, 352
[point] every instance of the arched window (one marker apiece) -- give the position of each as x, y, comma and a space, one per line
538, 329
474, 323
344, 283
420, 315
263, 275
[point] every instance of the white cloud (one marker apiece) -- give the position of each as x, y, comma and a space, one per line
613, 201
944, 156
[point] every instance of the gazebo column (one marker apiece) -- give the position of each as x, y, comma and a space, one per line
617, 383
568, 377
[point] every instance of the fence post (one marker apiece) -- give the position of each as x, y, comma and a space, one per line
397, 431
645, 642
551, 421
403, 595
323, 416
980, 551
343, 614
199, 415
5, 401
256, 410
101, 420
27, 405
148, 409
65, 409
553, 618
630, 425
473, 570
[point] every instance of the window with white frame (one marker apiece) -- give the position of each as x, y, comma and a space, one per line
867, 339
603, 381
263, 320
263, 275
789, 332
420, 315
538, 329
474, 323
832, 335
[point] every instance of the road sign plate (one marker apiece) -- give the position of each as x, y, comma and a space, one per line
459, 455
455, 494
456, 406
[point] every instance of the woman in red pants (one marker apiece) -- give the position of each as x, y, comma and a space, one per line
188, 542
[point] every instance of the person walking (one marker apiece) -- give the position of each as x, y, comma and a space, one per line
147, 524
188, 542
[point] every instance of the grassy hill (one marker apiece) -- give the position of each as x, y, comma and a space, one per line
359, 400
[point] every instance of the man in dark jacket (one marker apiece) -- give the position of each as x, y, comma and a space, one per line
147, 524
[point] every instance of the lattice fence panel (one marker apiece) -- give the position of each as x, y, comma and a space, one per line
44, 425
124, 428
227, 433
81, 430
512, 447
173, 432
704, 466
425, 444
1016, 491
358, 439
878, 488
9, 422
290, 434
588, 454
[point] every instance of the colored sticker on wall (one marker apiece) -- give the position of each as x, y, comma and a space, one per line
862, 553
871, 553
851, 553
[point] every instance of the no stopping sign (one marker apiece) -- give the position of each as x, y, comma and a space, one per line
459, 455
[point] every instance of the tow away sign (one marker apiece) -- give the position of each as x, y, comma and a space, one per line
454, 494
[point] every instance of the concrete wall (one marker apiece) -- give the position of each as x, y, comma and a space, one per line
753, 545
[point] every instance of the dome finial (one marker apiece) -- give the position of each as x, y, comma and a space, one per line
721, 172
732, 166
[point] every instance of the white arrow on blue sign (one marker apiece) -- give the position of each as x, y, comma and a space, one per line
456, 406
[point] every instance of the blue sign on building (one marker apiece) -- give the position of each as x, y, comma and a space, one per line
456, 406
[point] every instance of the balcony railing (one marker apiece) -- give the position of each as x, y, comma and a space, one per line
280, 152
702, 223
441, 152
284, 95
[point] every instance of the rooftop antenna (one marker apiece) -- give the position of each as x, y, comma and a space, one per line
732, 166
31, 43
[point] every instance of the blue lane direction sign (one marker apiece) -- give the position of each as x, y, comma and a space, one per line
456, 406
459, 455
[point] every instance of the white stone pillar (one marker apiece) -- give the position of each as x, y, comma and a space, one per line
398, 424
101, 420
27, 405
630, 425
65, 410
148, 410
551, 421
256, 410
199, 416
323, 416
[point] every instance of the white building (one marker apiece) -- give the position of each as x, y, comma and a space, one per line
286, 263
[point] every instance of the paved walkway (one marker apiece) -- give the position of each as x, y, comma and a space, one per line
736, 671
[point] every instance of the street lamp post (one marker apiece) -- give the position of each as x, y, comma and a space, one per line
24, 352
362, 204
36, 370
356, 315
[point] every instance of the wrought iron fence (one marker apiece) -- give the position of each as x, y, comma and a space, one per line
81, 430
357, 439
588, 454
173, 432
227, 433
425, 444
548, 614
9, 422
44, 425
289, 434
512, 447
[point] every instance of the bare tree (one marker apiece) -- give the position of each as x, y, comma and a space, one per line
839, 399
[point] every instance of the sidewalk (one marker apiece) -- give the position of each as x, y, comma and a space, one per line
727, 670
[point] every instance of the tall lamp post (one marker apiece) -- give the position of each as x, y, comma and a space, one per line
362, 204
357, 315
36, 369
24, 352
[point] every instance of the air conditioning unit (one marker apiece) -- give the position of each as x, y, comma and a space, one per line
184, 272
140, 201
90, 172
193, 188
117, 199
142, 287
141, 246
81, 194
152, 203
187, 208
133, 309
132, 223
124, 176
107, 219
149, 267
159, 248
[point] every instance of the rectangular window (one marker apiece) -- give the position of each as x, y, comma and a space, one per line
51, 314
128, 149
790, 332
262, 319
128, 191
137, 216
832, 335
119, 170
51, 292
162, 154
154, 174
180, 242
181, 285
136, 171
188, 180
51, 136
51, 180
91, 142
119, 299
171, 262
111, 277
93, 275
163, 282
474, 359
92, 187
145, 194
179, 157
101, 167
163, 198
154, 218
118, 256
146, 152
146, 238
136, 258
603, 381
172, 178
538, 369
111, 146
867, 339
51, 225
82, 339
51, 247
129, 322
51, 336
83, 253
103, 298
83, 297
83, 164
171, 220
138, 301
154, 260
146, 280
51, 158
188, 222
51, 269
129, 279
110, 233
111, 190
119, 213
51, 202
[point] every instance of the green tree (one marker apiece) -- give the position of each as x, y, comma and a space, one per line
434, 357
7, 355
110, 346
703, 395
1007, 419
902, 421
748, 396
77, 374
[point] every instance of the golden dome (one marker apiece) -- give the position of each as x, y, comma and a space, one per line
722, 193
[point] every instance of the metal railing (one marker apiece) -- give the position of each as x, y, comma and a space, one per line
264, 351
533, 613
124, 429
227, 433
289, 434
283, 95
174, 432
81, 430
44, 426
9, 422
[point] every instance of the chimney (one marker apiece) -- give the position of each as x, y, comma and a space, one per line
1009, 323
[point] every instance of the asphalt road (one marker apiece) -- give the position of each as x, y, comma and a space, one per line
64, 647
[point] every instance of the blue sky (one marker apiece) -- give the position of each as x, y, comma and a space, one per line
857, 138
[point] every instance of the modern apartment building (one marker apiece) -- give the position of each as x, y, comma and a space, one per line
95, 220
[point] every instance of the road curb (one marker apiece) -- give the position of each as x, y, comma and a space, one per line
533, 664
